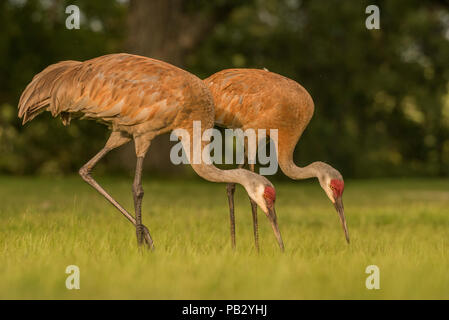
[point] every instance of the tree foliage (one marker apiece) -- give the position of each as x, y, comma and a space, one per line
381, 96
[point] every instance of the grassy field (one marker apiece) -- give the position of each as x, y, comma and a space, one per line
46, 224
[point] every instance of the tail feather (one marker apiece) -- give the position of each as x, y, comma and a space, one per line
37, 95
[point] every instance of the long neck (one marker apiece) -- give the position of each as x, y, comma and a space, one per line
206, 170
299, 173
214, 174
292, 171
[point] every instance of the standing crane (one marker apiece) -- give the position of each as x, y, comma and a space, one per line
138, 98
259, 99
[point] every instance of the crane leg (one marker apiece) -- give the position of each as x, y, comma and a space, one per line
254, 212
115, 140
141, 231
230, 188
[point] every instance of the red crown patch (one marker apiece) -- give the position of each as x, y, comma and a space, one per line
337, 186
269, 194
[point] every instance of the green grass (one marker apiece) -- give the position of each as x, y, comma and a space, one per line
46, 224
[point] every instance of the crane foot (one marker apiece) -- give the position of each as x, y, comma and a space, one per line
143, 236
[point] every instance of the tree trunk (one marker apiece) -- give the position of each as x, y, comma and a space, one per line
165, 30
157, 29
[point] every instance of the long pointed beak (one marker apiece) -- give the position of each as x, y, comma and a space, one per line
341, 213
273, 219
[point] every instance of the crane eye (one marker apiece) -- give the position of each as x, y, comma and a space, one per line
332, 187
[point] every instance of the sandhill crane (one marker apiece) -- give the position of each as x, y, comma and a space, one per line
259, 99
138, 98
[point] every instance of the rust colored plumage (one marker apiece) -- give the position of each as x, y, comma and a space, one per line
138, 98
132, 94
259, 99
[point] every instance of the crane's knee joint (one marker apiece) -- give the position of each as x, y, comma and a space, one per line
230, 187
84, 172
138, 190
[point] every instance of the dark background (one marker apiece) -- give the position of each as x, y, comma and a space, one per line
381, 96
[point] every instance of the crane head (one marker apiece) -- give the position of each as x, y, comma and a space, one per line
264, 194
333, 185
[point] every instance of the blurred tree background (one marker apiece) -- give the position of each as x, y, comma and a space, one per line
381, 96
